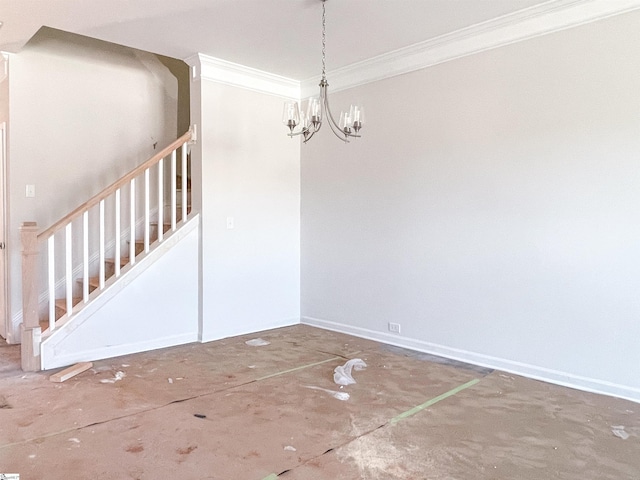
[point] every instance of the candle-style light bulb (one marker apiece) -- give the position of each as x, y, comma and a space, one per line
357, 116
314, 111
345, 123
291, 115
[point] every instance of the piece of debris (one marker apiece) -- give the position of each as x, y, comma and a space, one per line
342, 374
337, 395
72, 371
74, 440
618, 431
118, 376
170, 380
257, 342
102, 368
289, 448
125, 365
4, 403
199, 415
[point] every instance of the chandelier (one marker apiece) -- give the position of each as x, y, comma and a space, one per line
309, 123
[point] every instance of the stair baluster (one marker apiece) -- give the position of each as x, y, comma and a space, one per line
184, 184
85, 257
51, 260
116, 270
68, 264
173, 191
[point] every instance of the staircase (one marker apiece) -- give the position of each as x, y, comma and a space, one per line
115, 230
110, 271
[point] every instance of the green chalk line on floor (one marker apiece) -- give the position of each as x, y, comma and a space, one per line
298, 368
434, 400
397, 418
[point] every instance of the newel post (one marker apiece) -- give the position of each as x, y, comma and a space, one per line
30, 327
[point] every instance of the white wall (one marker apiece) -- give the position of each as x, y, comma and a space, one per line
491, 209
84, 112
250, 171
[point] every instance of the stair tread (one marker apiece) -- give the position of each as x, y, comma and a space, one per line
62, 302
123, 261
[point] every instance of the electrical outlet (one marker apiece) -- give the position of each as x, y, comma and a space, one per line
394, 327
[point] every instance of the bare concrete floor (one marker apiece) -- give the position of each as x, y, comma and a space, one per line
408, 417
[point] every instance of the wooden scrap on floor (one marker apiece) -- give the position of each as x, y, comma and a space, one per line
72, 371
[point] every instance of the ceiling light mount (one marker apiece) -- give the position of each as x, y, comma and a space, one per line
308, 123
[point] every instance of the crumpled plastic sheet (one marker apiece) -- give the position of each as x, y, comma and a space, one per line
342, 374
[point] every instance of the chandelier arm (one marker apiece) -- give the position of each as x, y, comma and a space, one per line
338, 133
307, 130
307, 138
295, 134
335, 128
332, 123
316, 129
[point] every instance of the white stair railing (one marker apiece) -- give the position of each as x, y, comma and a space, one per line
60, 272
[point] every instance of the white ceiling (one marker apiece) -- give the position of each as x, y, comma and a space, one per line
278, 36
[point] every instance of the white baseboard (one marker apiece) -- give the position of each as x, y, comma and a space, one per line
118, 350
531, 371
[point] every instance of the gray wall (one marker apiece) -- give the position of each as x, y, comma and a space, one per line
491, 209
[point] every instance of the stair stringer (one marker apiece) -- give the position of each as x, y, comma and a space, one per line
152, 304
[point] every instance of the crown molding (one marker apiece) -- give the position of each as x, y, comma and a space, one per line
548, 17
221, 71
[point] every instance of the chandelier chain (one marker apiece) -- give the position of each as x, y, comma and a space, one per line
324, 73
